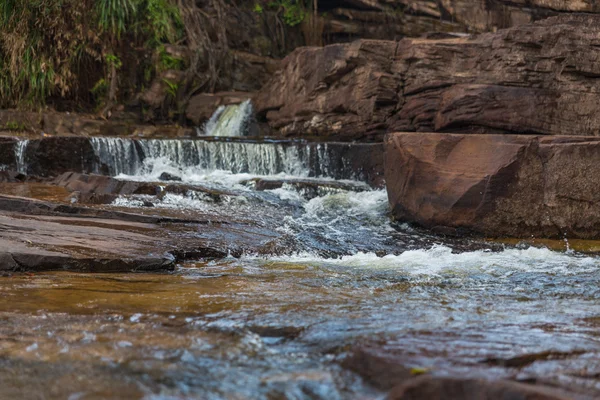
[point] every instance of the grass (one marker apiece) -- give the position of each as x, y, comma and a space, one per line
62, 49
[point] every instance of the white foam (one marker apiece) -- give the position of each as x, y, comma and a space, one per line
371, 205
229, 120
440, 259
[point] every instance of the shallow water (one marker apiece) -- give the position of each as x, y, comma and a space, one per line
277, 328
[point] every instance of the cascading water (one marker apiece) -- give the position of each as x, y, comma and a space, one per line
191, 157
232, 120
20, 149
131, 157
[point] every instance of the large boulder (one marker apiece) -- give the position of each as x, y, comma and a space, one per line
496, 185
341, 91
538, 78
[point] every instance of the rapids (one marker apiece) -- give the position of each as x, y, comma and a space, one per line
279, 326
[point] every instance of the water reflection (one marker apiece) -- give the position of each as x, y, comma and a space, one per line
255, 328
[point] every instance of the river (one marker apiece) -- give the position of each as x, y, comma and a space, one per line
283, 325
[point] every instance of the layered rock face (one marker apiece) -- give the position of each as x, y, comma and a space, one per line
538, 78
496, 185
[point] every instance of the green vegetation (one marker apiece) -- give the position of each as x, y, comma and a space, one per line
293, 12
14, 126
46, 44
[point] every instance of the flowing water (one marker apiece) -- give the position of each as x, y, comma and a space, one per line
232, 120
280, 326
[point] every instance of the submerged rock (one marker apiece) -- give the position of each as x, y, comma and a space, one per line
377, 368
309, 188
165, 176
435, 388
496, 185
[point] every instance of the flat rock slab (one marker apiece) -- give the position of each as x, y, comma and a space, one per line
496, 185
38, 235
44, 242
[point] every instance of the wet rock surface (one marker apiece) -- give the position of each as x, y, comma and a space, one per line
458, 389
536, 78
53, 235
496, 185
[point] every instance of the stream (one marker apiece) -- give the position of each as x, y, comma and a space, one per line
280, 326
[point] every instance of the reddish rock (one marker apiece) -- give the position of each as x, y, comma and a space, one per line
41, 235
341, 91
538, 78
42, 243
379, 369
435, 388
102, 189
496, 185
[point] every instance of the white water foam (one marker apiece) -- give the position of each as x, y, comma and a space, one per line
153, 168
371, 205
147, 159
440, 259
229, 120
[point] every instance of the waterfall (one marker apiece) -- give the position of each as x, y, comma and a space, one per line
20, 148
121, 156
133, 156
232, 120
127, 156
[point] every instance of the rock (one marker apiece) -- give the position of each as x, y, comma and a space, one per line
8, 160
162, 87
11, 176
165, 176
202, 106
40, 235
436, 388
309, 188
377, 368
344, 92
52, 156
496, 185
20, 121
81, 244
99, 189
538, 78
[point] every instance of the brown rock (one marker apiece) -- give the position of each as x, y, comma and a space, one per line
11, 176
81, 244
467, 15
377, 368
434, 388
99, 186
310, 188
40, 235
538, 78
496, 185
162, 87
340, 91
